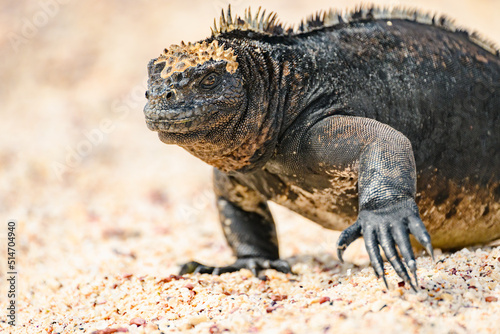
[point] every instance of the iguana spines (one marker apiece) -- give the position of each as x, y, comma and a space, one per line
260, 23
269, 25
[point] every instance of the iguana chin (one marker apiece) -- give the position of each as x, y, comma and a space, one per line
353, 120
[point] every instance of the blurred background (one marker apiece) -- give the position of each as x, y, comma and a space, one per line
92, 189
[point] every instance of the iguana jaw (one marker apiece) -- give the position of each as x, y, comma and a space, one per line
179, 121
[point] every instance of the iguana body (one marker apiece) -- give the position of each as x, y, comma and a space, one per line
351, 121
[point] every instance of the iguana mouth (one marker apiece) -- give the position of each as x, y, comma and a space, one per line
195, 119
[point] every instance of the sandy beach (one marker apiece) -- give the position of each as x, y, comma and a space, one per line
105, 213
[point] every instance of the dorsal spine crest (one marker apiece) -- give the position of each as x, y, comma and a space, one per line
269, 24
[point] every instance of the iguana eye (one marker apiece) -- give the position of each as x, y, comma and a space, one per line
210, 80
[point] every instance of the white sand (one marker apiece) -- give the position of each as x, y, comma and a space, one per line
100, 231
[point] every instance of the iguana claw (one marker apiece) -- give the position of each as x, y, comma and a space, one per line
387, 228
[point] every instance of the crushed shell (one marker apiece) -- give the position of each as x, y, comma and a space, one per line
178, 58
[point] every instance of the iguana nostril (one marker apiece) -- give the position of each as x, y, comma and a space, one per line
169, 94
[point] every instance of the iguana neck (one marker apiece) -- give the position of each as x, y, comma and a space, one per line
283, 79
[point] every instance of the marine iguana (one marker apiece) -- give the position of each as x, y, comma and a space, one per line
354, 120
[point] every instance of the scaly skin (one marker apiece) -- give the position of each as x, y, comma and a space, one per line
354, 125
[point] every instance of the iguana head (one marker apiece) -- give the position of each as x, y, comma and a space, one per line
190, 85
206, 100
217, 98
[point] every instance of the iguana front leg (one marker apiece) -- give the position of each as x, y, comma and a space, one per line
386, 186
249, 229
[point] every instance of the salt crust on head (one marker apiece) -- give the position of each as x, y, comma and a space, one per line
178, 58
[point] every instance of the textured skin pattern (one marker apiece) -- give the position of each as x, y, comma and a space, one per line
355, 126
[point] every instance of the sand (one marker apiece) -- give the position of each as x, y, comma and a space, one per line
106, 213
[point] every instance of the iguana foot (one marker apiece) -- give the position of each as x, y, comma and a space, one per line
254, 264
389, 227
